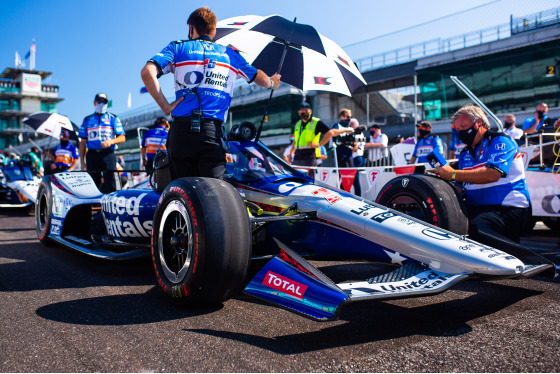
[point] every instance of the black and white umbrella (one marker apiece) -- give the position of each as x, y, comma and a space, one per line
305, 59
50, 124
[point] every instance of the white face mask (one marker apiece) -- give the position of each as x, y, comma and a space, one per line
100, 108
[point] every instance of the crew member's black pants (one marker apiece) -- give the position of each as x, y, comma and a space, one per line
305, 157
103, 159
498, 221
196, 154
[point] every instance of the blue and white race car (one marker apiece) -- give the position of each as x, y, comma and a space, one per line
18, 187
202, 233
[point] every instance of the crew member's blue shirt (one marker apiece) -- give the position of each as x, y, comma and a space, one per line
207, 68
97, 128
500, 153
531, 121
153, 140
425, 146
64, 156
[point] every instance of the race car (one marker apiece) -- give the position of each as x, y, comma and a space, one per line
202, 234
18, 187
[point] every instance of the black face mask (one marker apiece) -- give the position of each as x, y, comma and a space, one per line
424, 133
540, 114
305, 116
508, 124
63, 143
344, 122
467, 136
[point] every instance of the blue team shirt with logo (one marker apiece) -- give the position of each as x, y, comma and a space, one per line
64, 156
210, 69
153, 140
97, 128
425, 146
500, 153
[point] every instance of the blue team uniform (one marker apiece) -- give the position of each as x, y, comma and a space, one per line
531, 121
500, 153
97, 128
425, 146
64, 156
154, 140
210, 69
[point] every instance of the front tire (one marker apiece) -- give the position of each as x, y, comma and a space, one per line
43, 212
201, 241
427, 198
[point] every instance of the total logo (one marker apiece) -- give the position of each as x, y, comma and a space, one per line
122, 208
285, 285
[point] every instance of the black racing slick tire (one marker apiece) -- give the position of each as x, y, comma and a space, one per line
427, 198
43, 212
201, 241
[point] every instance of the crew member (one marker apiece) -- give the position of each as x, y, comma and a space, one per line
36, 164
100, 133
65, 155
426, 143
204, 75
152, 141
345, 142
532, 125
492, 172
307, 133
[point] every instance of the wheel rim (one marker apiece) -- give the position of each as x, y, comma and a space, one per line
408, 205
42, 212
175, 242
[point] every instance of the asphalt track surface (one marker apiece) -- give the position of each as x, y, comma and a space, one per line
65, 312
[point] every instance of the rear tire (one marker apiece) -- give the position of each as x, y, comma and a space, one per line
427, 198
43, 212
201, 241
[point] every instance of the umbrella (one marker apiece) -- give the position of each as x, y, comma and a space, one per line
305, 59
51, 124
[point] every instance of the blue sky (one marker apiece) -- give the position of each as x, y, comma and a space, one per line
91, 47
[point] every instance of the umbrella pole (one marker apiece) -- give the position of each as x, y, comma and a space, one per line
263, 120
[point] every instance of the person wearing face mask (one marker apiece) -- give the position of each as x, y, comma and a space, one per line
307, 137
204, 75
100, 133
510, 129
153, 141
492, 172
380, 142
345, 142
65, 155
533, 124
426, 143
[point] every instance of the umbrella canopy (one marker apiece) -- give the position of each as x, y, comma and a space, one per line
50, 124
305, 59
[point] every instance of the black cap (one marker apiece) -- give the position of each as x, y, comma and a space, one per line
64, 133
424, 124
374, 127
304, 105
101, 96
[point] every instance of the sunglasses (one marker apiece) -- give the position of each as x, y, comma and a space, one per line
99, 101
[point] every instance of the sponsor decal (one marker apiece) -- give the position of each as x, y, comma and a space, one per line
288, 187
371, 175
406, 221
285, 285
427, 281
548, 202
467, 247
125, 209
362, 209
500, 146
405, 182
436, 234
347, 178
381, 217
343, 60
210, 63
324, 175
237, 23
323, 81
56, 225
216, 79
193, 77
330, 196
400, 170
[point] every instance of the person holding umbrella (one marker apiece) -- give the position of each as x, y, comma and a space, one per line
65, 155
100, 133
204, 75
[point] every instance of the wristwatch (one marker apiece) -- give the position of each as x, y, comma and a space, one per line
453, 175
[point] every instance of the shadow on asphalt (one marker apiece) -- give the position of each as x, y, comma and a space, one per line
119, 310
376, 321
